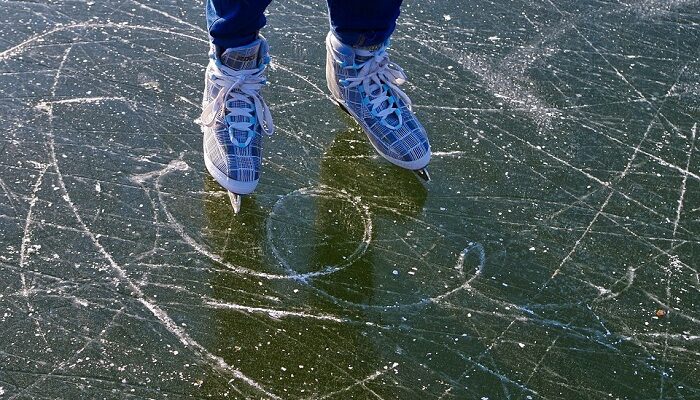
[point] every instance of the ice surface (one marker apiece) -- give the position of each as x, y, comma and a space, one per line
564, 210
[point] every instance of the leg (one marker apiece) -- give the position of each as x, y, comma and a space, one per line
363, 22
235, 23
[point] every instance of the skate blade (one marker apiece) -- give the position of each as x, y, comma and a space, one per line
423, 174
235, 201
342, 106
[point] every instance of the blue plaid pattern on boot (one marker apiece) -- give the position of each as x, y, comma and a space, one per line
365, 83
235, 116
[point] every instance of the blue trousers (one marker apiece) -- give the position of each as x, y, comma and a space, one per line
234, 23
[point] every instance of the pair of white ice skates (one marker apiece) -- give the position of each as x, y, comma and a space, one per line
362, 81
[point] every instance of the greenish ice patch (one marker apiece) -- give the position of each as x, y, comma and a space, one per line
554, 254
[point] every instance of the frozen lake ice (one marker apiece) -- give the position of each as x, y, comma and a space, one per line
555, 254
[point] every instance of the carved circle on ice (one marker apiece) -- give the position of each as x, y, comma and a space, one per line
276, 226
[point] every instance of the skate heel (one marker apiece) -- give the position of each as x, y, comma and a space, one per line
342, 106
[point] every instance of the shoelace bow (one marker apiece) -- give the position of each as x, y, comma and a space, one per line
378, 81
235, 86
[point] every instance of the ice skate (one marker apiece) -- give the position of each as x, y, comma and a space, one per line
365, 84
235, 117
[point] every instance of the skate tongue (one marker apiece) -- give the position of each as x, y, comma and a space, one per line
245, 57
372, 49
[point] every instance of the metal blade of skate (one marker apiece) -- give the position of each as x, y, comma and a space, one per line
235, 201
423, 174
